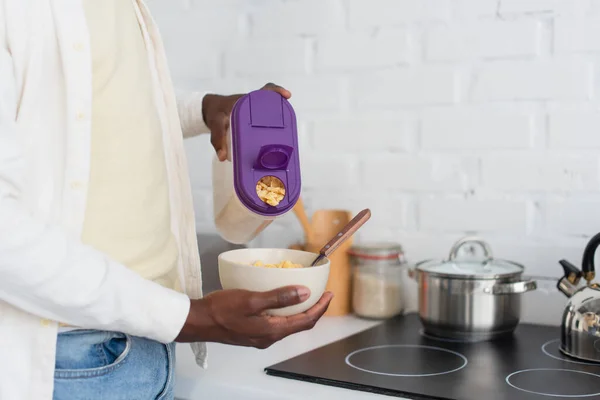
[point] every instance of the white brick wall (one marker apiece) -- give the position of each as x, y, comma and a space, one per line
362, 50
297, 18
476, 131
445, 117
368, 133
460, 216
484, 40
404, 87
574, 130
530, 172
551, 80
376, 13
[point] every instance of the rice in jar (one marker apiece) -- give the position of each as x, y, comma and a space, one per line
377, 280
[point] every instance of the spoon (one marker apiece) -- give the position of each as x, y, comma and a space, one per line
346, 232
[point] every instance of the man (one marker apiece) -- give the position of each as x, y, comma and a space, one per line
97, 242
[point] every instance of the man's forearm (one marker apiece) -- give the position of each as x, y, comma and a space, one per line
48, 273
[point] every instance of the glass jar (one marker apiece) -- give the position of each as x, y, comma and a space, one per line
377, 280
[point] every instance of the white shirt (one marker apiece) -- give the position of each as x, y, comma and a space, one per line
46, 273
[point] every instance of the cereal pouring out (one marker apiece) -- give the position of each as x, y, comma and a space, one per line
271, 190
283, 264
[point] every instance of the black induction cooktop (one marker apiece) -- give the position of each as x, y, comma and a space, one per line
397, 359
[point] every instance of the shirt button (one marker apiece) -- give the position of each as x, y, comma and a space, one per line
76, 185
80, 116
45, 323
78, 47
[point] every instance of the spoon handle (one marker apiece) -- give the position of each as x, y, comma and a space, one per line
346, 232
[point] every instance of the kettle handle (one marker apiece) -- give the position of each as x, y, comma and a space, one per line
588, 267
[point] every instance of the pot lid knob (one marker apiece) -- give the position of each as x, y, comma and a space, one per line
487, 251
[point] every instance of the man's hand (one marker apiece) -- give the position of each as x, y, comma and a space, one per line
238, 317
216, 110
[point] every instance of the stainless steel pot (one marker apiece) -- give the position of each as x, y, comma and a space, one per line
470, 298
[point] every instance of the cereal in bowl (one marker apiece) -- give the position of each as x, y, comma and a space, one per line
284, 264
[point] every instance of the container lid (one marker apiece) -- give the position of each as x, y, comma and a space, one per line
264, 142
380, 251
478, 267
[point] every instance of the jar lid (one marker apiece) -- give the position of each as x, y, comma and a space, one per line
484, 267
376, 251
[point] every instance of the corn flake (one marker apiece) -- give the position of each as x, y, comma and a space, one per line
270, 190
283, 264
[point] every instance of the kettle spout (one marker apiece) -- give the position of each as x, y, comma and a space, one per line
568, 283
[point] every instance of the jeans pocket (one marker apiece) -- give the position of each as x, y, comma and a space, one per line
88, 354
168, 391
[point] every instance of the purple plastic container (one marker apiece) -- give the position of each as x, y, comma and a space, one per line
263, 142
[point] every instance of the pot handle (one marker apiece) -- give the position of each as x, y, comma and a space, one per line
511, 288
412, 273
487, 250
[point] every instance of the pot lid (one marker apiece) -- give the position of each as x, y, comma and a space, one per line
482, 266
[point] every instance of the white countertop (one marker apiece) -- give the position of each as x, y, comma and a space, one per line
238, 372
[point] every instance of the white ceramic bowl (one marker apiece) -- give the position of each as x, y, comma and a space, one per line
236, 272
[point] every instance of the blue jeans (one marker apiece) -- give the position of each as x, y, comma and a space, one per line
97, 365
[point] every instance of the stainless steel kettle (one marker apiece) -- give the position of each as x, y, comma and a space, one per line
580, 328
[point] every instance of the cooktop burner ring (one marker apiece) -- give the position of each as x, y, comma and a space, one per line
579, 373
562, 357
462, 360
